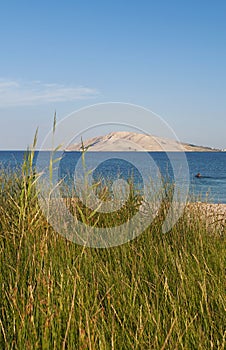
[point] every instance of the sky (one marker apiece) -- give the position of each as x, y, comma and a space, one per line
167, 56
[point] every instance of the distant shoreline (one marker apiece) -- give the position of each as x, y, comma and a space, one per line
115, 151
123, 151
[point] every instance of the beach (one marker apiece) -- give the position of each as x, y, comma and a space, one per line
214, 215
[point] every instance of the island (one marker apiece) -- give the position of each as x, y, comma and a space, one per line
125, 141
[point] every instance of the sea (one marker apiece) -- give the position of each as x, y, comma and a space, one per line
138, 166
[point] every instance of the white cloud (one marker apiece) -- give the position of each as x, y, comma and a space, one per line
17, 93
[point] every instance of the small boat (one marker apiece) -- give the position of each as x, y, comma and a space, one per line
198, 175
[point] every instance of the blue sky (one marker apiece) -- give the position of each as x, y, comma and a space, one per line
168, 56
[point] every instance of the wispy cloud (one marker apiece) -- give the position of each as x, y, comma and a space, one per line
17, 93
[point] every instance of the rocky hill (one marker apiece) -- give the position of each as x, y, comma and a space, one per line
129, 141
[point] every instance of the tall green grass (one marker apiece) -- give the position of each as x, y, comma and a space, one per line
159, 291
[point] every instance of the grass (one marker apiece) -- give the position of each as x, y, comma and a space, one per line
159, 291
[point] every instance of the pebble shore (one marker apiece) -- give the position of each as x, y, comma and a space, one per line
214, 215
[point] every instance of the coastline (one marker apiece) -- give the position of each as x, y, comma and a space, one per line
208, 208
212, 214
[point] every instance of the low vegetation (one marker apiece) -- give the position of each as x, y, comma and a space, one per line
158, 291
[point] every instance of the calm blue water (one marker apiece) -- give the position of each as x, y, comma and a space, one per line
212, 166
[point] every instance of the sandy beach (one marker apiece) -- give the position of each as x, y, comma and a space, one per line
213, 214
